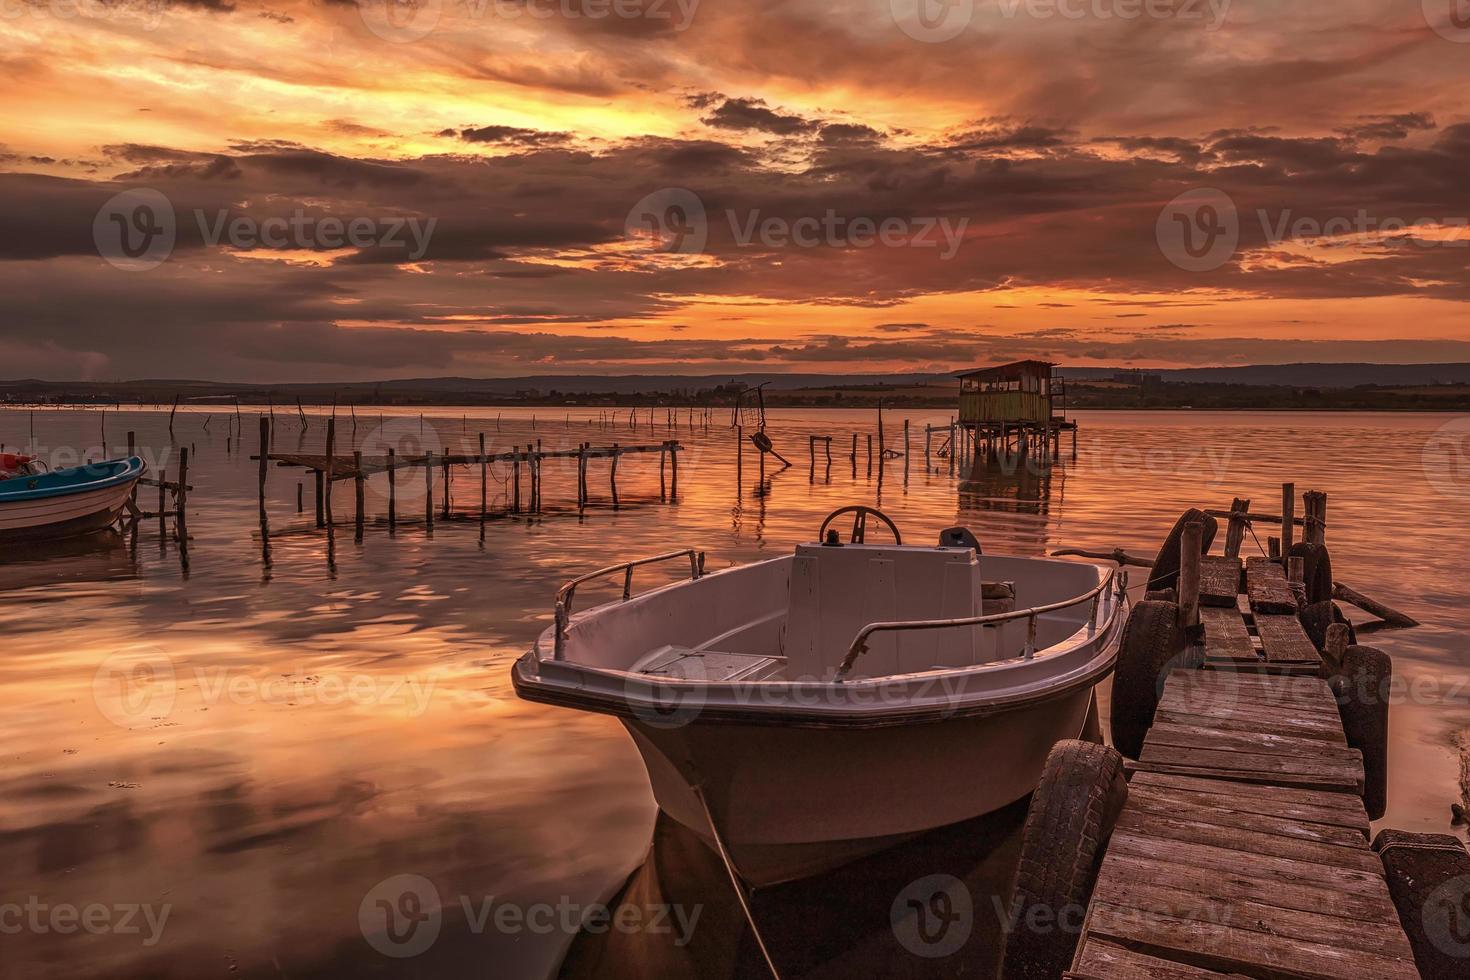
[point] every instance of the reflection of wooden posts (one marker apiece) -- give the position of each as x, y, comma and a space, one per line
928, 445
515, 473
428, 489
444, 466
172, 412
321, 500
1235, 532
673, 472
613, 475
162, 503
953, 449
484, 480
300, 497
1190, 545
358, 488
265, 448
853, 455
581, 476
870, 454
662, 458
905, 450
739, 457
1288, 516
881, 444
392, 488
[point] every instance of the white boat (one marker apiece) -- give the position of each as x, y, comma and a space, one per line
41, 505
800, 712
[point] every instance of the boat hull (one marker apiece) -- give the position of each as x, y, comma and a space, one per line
62, 516
797, 801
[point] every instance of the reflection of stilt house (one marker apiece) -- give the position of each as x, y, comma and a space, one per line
1020, 407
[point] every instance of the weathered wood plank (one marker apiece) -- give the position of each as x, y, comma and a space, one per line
1219, 581
1241, 884
1218, 946
1226, 637
1098, 959
1327, 807
1219, 740
1285, 641
1244, 722
1140, 823
1232, 861
1212, 810
1265, 583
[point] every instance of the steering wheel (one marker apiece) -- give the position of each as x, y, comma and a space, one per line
859, 523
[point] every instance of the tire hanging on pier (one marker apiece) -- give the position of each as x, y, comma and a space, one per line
1165, 572
1316, 569
1362, 690
1315, 619
1429, 878
1153, 643
1072, 813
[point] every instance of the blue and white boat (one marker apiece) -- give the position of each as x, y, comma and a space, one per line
41, 506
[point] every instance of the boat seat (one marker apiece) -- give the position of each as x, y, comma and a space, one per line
683, 663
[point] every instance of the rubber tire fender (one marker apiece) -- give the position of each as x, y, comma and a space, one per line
1153, 644
1072, 814
1316, 570
1165, 571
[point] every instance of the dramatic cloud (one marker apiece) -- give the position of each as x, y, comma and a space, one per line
514, 187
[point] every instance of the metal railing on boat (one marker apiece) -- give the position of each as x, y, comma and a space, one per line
1116, 578
566, 592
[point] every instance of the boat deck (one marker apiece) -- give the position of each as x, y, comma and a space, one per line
1243, 850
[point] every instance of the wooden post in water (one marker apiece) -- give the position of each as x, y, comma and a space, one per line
953, 449
484, 480
515, 472
429, 489
358, 492
928, 442
1190, 545
392, 488
445, 467
321, 500
613, 475
331, 451
1288, 516
662, 459
905, 450
673, 472
181, 499
581, 477
265, 451
162, 503
300, 497
1235, 532
870, 454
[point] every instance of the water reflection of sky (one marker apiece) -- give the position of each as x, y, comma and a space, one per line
342, 712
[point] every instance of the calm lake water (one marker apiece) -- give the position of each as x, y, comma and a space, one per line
214, 760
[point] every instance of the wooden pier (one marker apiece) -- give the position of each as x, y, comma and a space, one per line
1243, 847
524, 495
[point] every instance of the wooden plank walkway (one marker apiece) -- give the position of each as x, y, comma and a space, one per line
1219, 581
1265, 583
1243, 850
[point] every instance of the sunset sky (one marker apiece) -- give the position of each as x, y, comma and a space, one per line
522, 138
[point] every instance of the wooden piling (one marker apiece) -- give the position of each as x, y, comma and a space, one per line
739, 457
265, 447
300, 497
1235, 532
1190, 548
331, 450
445, 467
359, 491
1288, 516
613, 476
392, 488
673, 472
429, 489
484, 480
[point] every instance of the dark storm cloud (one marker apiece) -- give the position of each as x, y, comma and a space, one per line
1396, 127
755, 114
507, 135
